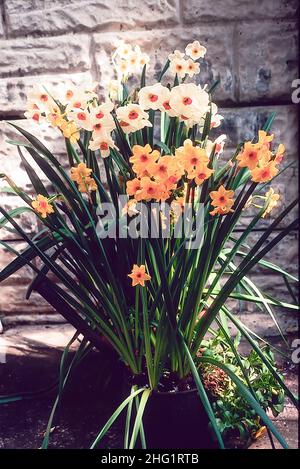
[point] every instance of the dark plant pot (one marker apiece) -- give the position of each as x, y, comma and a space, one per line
177, 420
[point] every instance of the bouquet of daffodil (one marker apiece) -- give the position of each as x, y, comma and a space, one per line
138, 241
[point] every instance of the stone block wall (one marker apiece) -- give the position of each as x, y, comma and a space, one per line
252, 50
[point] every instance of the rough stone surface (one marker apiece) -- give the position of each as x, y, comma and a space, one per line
32, 56
61, 16
259, 320
30, 359
13, 301
23, 276
27, 220
243, 123
267, 66
9, 157
218, 10
284, 254
10, 162
286, 185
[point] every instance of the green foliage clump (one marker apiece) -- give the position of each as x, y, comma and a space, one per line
234, 415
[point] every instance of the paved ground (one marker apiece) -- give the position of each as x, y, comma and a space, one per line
29, 360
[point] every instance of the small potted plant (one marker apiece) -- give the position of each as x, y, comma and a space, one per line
139, 248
